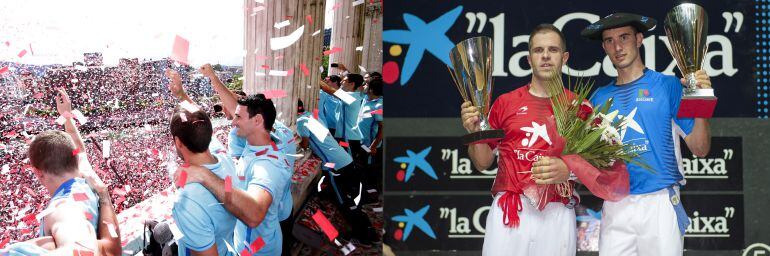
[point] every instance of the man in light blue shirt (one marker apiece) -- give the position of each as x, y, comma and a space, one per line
206, 224
329, 106
342, 180
348, 129
260, 198
371, 127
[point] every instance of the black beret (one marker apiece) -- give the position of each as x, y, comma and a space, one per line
616, 20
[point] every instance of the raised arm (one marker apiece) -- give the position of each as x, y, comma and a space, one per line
229, 98
64, 107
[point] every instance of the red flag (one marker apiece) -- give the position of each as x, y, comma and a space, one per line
309, 19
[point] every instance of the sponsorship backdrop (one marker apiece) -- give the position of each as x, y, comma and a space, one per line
418, 35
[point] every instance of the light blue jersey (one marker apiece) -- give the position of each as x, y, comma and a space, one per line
265, 167
328, 150
650, 105
201, 218
72, 190
282, 134
329, 110
347, 127
369, 122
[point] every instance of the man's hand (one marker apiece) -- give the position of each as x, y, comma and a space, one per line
63, 103
550, 170
195, 174
702, 79
176, 84
470, 116
373, 150
207, 70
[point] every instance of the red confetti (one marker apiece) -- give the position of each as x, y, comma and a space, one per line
3, 70
304, 69
377, 112
257, 245
22, 53
180, 50
245, 252
275, 94
80, 197
120, 200
186, 164
228, 184
77, 252
290, 72
7, 43
265, 67
121, 192
155, 151
261, 152
333, 51
315, 113
309, 19
182, 179
336, 6
4, 242
344, 144
89, 216
325, 225
242, 177
75, 151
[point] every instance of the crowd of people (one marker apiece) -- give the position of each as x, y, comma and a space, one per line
127, 139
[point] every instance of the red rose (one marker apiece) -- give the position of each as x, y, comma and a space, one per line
584, 112
597, 121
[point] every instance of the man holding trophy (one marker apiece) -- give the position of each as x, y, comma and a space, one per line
523, 220
652, 220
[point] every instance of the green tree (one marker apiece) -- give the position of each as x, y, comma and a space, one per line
217, 67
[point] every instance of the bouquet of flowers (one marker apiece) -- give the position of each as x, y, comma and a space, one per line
593, 149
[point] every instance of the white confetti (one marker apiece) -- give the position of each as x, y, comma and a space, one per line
278, 73
279, 25
344, 96
278, 43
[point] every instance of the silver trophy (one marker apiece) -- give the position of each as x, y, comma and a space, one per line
686, 27
472, 74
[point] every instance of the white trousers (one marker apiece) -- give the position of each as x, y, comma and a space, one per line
640, 225
542, 233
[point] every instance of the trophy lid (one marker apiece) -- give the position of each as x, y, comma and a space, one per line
616, 20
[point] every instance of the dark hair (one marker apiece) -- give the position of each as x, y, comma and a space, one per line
335, 79
52, 152
375, 75
356, 79
545, 27
218, 108
258, 104
375, 85
300, 106
193, 129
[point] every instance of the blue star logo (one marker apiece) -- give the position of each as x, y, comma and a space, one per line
416, 160
412, 219
423, 36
